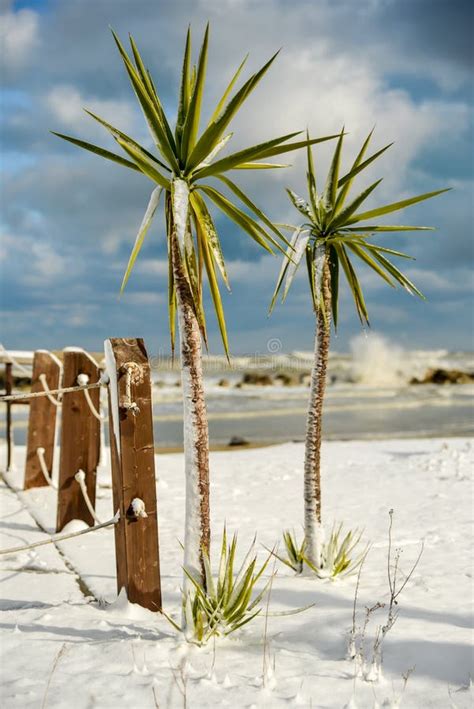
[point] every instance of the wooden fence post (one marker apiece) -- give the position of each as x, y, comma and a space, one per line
9, 431
133, 471
80, 439
42, 419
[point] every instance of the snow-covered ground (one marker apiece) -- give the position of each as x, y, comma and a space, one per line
63, 648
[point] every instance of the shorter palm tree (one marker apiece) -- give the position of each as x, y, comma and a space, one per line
332, 234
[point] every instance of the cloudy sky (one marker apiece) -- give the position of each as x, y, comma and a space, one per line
69, 219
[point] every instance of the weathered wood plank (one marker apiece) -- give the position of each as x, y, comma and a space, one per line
133, 471
9, 431
80, 439
42, 419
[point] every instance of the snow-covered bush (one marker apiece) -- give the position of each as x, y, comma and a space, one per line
335, 558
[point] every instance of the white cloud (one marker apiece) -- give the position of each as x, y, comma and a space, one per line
155, 267
458, 281
42, 264
111, 241
46, 261
67, 105
326, 89
18, 37
145, 298
258, 273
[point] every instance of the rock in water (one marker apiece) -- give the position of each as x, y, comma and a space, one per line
288, 380
444, 376
238, 441
257, 379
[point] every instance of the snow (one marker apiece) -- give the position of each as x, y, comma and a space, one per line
192, 533
215, 151
62, 648
72, 348
180, 204
318, 267
74, 525
111, 371
138, 507
299, 242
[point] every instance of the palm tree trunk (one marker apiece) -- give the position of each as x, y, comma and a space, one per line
196, 434
312, 466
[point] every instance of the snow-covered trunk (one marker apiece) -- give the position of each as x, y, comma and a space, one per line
196, 435
314, 534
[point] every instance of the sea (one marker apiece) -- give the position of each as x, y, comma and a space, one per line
368, 396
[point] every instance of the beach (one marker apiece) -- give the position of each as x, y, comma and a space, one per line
67, 641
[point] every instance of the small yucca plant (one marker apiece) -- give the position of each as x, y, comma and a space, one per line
335, 557
295, 552
226, 603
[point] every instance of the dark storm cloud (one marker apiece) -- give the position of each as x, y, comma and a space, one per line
441, 27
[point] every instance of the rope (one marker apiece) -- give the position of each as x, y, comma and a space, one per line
13, 361
80, 476
96, 413
40, 453
64, 390
44, 384
128, 403
61, 537
83, 378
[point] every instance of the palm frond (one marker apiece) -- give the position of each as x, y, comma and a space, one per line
241, 157
147, 219
330, 190
178, 162
345, 186
226, 93
335, 222
150, 113
215, 130
116, 133
395, 207
184, 92
242, 219
343, 216
98, 151
193, 114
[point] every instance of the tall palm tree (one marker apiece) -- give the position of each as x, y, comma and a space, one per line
332, 234
179, 165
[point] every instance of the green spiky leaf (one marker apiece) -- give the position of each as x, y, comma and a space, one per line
147, 219
98, 151
395, 206
216, 128
193, 114
330, 190
343, 216
334, 270
226, 93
